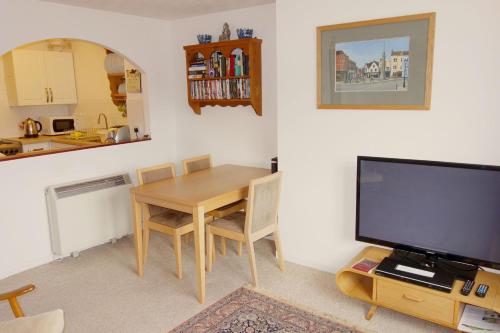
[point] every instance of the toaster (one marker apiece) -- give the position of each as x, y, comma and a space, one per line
118, 134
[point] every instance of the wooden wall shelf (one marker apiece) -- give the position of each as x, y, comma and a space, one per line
114, 82
436, 306
213, 85
115, 79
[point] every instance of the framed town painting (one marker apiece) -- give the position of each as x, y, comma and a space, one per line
376, 64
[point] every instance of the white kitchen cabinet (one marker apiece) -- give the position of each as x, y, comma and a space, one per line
60, 77
27, 147
25, 78
40, 78
58, 145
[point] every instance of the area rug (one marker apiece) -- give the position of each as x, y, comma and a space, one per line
248, 311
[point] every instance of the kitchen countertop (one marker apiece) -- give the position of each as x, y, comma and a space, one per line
40, 138
78, 145
55, 138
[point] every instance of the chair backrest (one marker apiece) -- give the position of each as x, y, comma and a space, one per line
197, 164
263, 203
154, 174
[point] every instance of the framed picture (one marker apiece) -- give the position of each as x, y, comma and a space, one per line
376, 64
133, 81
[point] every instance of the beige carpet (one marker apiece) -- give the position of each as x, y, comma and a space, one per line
100, 292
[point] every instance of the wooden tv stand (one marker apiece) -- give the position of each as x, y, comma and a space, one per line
436, 306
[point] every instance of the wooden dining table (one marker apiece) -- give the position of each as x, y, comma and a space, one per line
194, 193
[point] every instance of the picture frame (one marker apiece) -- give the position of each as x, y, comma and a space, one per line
133, 79
381, 64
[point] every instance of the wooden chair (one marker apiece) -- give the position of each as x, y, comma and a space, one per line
12, 298
49, 322
204, 162
198, 163
260, 220
164, 220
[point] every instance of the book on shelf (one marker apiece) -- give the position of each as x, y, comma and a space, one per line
220, 89
231, 65
219, 66
365, 265
237, 65
197, 68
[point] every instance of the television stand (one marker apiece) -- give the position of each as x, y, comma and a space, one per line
438, 307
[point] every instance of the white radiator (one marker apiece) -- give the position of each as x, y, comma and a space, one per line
88, 213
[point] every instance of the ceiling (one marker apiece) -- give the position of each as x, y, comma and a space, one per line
164, 9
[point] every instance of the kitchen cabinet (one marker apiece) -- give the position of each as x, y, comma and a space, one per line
40, 78
37, 146
60, 77
58, 145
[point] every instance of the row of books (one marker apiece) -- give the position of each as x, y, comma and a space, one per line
219, 66
197, 69
220, 89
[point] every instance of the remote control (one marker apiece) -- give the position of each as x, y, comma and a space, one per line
467, 288
482, 290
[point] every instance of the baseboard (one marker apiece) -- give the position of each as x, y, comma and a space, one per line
10, 271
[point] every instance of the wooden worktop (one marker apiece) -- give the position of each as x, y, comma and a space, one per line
54, 138
78, 145
40, 138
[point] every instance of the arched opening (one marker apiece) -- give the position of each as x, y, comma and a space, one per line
66, 94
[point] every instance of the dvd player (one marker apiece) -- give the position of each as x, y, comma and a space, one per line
435, 277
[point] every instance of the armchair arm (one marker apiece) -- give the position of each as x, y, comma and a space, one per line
11, 296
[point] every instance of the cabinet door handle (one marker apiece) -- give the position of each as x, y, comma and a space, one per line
51, 96
47, 94
412, 298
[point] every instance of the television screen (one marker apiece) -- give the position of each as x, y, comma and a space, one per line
447, 208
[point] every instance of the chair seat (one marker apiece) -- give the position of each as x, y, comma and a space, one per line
172, 218
48, 322
234, 222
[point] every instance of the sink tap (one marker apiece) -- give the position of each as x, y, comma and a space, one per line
105, 120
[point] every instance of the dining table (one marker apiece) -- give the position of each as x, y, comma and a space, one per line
195, 193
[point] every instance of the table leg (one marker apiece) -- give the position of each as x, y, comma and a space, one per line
137, 215
199, 246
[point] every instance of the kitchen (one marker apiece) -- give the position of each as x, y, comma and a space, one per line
60, 95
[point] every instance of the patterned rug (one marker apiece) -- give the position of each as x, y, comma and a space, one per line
247, 311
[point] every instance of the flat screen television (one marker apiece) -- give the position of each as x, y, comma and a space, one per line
450, 210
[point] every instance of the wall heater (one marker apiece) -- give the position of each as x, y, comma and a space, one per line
87, 213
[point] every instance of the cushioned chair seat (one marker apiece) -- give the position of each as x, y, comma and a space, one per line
234, 222
172, 218
48, 322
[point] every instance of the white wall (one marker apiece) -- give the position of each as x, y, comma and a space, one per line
318, 148
231, 135
24, 235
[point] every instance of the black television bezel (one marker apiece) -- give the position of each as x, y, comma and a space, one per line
406, 247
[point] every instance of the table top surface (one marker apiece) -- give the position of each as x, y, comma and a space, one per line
196, 188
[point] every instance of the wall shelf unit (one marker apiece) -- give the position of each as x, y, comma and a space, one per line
225, 73
115, 80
